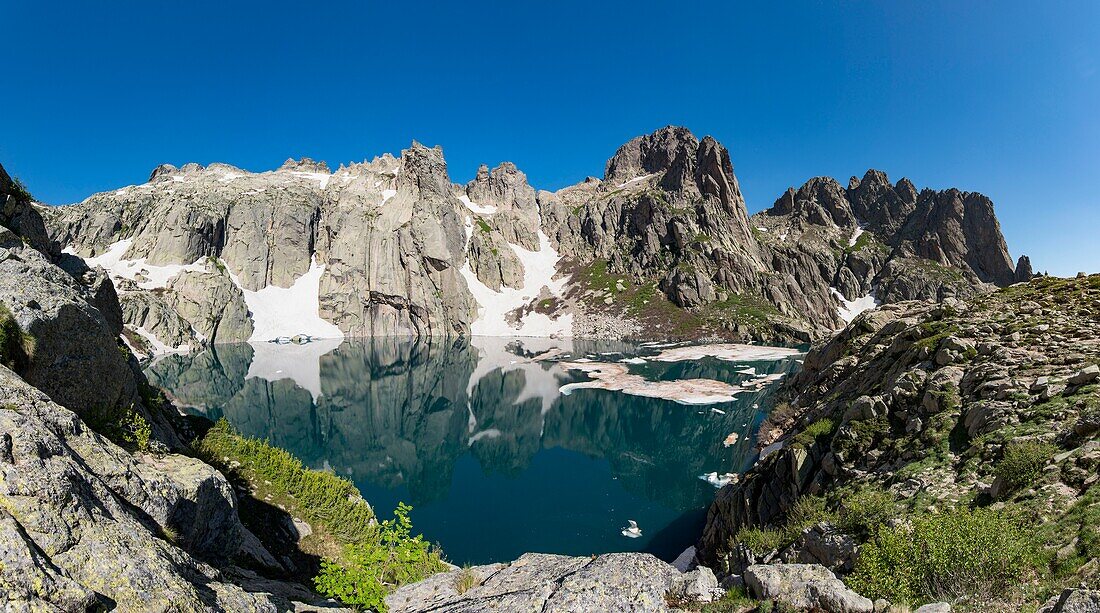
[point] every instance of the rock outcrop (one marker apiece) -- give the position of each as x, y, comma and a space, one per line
663, 242
543, 582
923, 401
804, 587
84, 523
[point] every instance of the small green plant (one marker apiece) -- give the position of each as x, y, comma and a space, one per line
466, 580
373, 568
733, 601
485, 227
20, 189
820, 429
977, 553
127, 428
807, 511
1022, 463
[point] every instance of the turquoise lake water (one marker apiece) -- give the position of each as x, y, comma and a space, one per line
477, 437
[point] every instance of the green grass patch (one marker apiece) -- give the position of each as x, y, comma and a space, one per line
820, 429
807, 511
484, 225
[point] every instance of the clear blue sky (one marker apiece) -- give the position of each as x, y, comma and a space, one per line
997, 97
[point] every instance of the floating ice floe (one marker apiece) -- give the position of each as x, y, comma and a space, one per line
719, 481
632, 530
633, 361
617, 378
718, 411
732, 352
731, 439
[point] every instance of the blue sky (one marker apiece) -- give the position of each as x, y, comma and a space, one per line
996, 97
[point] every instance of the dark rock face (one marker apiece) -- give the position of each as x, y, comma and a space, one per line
916, 391
19, 214
1023, 269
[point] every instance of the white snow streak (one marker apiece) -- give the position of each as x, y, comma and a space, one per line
849, 309
480, 209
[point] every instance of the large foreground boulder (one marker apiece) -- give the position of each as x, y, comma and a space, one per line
544, 582
85, 523
804, 587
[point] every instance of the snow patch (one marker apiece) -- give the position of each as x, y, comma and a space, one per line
160, 348
321, 177
147, 276
849, 309
480, 209
855, 235
617, 378
539, 269
289, 311
636, 179
299, 363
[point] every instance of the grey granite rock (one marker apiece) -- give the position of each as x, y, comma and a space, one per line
544, 582
804, 587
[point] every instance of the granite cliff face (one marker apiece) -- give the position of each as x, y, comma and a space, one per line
84, 523
661, 246
926, 402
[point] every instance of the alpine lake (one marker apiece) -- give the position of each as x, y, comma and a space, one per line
480, 438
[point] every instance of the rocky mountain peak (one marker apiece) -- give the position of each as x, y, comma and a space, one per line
426, 168
1023, 269
305, 164
164, 170
505, 187
880, 205
666, 149
820, 201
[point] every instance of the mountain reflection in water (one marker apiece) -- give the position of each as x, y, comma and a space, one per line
477, 437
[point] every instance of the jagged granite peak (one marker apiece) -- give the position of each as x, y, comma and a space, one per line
305, 164
1024, 271
504, 187
820, 201
880, 205
658, 152
958, 229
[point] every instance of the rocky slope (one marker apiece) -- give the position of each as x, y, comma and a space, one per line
661, 246
991, 402
84, 523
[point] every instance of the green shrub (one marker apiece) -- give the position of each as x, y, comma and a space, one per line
821, 428
864, 511
376, 566
127, 428
805, 512
975, 553
1022, 463
733, 601
13, 350
322, 497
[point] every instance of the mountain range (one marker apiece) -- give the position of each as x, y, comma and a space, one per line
661, 246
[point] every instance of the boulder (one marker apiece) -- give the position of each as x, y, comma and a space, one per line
545, 582
1073, 600
934, 607
804, 587
697, 586
1085, 375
